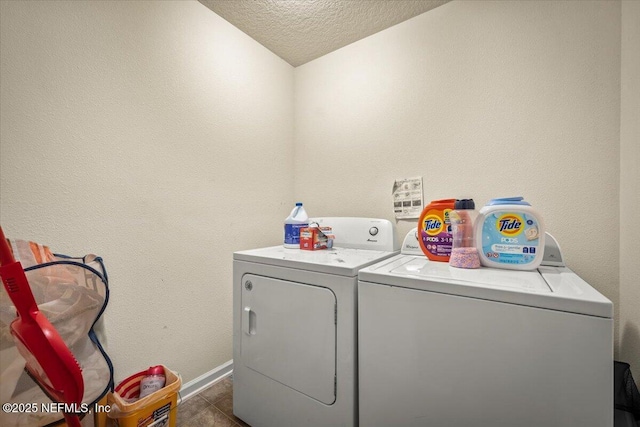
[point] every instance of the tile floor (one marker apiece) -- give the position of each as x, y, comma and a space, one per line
212, 407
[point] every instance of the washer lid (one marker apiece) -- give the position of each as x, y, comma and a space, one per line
338, 261
556, 288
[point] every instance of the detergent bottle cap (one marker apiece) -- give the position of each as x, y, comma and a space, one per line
155, 370
442, 201
519, 200
298, 203
467, 204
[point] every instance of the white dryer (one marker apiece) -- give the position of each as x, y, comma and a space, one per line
294, 326
448, 347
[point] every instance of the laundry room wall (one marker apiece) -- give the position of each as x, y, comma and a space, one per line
482, 100
630, 187
156, 135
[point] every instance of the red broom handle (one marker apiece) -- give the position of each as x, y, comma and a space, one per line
6, 256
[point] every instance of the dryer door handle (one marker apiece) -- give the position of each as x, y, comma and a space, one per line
248, 317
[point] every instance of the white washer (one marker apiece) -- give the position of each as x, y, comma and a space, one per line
448, 347
294, 327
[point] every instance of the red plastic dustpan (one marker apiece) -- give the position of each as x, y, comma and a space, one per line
49, 361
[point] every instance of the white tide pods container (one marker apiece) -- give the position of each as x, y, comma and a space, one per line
510, 234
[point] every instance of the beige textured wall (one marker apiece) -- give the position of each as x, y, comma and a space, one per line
481, 99
147, 132
630, 188
154, 134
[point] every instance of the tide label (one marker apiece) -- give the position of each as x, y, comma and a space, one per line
510, 238
434, 234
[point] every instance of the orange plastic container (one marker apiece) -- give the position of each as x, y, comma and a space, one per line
157, 409
434, 230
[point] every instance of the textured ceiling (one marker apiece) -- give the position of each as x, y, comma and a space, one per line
299, 31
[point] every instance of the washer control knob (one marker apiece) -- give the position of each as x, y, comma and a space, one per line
373, 231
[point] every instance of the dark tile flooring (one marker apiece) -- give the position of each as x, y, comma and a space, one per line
212, 407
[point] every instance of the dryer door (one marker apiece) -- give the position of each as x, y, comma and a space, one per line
289, 334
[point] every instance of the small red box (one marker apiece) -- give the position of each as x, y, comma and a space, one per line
315, 238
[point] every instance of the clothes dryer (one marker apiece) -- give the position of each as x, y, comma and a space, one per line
294, 333
449, 347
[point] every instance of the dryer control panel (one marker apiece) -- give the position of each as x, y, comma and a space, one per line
361, 233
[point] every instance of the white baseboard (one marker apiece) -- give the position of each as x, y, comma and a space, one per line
196, 385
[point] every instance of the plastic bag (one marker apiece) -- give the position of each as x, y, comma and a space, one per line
72, 293
626, 396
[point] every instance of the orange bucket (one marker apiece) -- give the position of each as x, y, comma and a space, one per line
159, 409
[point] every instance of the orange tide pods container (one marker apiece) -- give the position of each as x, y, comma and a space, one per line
434, 230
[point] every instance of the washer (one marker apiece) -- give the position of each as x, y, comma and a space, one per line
294, 333
448, 347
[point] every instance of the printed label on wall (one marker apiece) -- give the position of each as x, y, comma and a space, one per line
407, 198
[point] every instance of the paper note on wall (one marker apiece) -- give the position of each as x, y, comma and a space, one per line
407, 198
